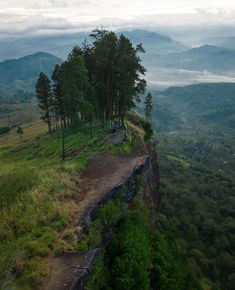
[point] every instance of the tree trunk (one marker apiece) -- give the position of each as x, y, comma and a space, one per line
49, 127
63, 140
57, 130
90, 129
123, 117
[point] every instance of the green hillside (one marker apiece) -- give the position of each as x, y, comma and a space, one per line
21, 74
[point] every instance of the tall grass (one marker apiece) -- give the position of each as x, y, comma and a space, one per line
38, 200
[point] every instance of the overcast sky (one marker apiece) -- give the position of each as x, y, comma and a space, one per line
28, 17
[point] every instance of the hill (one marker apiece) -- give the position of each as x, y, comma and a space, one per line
207, 57
21, 74
153, 42
204, 104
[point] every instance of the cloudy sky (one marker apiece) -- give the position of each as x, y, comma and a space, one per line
28, 17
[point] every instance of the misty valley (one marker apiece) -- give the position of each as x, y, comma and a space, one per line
113, 177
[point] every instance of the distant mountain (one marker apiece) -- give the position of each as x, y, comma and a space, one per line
21, 74
155, 44
206, 57
61, 45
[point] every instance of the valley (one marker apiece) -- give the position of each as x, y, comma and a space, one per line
98, 192
195, 133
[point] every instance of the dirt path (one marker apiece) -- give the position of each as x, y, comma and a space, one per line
102, 174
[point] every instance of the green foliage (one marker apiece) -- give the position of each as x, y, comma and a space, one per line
98, 279
124, 148
130, 255
141, 257
95, 234
45, 102
110, 213
148, 131
60, 248
4, 130
198, 178
33, 274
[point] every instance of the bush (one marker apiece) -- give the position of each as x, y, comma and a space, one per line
94, 235
37, 248
60, 248
4, 130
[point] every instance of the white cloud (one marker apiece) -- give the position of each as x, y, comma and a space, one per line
44, 16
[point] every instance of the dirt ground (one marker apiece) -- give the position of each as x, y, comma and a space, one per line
102, 174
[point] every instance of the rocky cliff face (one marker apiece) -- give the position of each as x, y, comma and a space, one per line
147, 172
71, 270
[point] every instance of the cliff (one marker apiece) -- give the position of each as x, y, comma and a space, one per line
108, 178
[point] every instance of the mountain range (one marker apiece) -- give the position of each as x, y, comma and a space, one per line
61, 45
166, 59
207, 57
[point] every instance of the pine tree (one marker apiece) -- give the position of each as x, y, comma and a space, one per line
70, 84
73, 80
43, 92
105, 70
129, 71
148, 107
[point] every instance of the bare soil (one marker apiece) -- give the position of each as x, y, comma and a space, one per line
102, 174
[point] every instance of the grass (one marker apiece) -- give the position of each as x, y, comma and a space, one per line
38, 200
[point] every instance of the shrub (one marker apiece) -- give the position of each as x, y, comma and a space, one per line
4, 130
60, 248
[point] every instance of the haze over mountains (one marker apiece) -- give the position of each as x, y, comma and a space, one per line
61, 45
207, 57
169, 61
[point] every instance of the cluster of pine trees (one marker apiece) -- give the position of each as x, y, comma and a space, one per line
98, 81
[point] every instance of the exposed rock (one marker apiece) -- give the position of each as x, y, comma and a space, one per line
71, 270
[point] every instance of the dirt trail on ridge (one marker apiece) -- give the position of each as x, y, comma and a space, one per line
103, 173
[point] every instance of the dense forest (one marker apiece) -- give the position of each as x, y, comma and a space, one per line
196, 151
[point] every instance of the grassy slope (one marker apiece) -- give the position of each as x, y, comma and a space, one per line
37, 199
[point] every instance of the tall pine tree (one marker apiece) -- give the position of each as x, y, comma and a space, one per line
43, 92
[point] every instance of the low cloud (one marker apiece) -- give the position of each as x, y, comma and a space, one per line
56, 16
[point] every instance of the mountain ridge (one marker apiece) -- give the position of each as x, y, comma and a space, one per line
206, 57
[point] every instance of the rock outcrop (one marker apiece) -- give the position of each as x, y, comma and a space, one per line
71, 270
